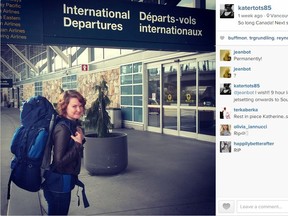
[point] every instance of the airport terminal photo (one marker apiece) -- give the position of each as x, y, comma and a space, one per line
160, 70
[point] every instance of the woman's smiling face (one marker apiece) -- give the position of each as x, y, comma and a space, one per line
74, 109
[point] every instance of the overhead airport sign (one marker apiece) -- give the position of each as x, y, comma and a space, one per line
6, 83
21, 22
110, 23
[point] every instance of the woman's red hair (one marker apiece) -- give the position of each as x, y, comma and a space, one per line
64, 100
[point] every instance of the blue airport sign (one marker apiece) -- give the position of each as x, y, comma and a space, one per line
6, 83
21, 22
110, 23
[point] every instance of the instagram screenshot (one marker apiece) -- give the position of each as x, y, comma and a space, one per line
252, 104
161, 107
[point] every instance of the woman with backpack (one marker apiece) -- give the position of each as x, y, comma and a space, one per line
67, 140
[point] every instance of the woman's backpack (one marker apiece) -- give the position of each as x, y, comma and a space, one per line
30, 143
32, 148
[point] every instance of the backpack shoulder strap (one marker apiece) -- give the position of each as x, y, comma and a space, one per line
9, 186
84, 197
48, 148
63, 122
46, 162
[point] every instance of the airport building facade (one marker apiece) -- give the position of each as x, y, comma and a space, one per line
165, 92
161, 91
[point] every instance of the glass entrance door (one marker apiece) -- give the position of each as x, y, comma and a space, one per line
188, 98
181, 98
170, 98
154, 99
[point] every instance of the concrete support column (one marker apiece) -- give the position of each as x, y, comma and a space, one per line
69, 56
49, 59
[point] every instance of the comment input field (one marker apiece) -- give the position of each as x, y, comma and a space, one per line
262, 206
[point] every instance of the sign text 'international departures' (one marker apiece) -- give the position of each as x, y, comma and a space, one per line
108, 24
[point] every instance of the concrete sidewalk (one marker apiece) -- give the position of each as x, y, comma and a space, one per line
165, 175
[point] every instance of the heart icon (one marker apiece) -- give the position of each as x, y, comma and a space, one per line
226, 205
222, 37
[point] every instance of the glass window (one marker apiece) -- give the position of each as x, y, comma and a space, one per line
131, 84
127, 79
137, 68
154, 117
153, 85
127, 113
137, 78
69, 82
126, 100
126, 69
137, 89
188, 83
206, 89
188, 120
138, 116
126, 90
137, 101
73, 78
170, 118
206, 122
73, 85
38, 88
153, 97
170, 84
